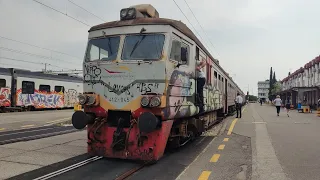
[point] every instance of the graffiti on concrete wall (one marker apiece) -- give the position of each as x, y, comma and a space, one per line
5, 94
40, 99
70, 98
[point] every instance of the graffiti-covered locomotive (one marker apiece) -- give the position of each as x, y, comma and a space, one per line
27, 90
140, 92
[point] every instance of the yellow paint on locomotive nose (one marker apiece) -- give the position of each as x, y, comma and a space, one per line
105, 104
124, 68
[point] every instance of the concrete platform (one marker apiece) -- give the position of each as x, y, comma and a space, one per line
262, 146
21, 157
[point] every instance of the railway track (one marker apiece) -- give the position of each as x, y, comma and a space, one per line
124, 171
34, 133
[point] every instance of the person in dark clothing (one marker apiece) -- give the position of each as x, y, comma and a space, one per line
239, 101
261, 102
201, 81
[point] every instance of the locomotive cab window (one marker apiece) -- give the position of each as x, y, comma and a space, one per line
143, 47
104, 49
2, 83
179, 52
27, 87
59, 89
44, 88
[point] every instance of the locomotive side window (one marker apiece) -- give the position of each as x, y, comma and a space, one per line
143, 47
184, 53
104, 49
44, 88
175, 50
59, 89
2, 83
180, 52
27, 87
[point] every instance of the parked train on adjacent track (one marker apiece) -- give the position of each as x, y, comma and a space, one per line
26, 90
140, 92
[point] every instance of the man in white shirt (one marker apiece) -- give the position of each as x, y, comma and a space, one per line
239, 101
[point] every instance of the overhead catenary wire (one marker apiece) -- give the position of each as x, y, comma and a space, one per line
39, 47
188, 20
61, 13
31, 62
35, 55
199, 24
87, 11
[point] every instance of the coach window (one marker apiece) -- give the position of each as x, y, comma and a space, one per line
44, 88
59, 89
215, 78
27, 87
2, 83
180, 52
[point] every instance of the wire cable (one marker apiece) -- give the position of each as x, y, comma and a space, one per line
87, 11
39, 47
61, 13
199, 23
35, 55
188, 20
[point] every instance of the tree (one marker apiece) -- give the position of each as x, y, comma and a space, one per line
270, 78
276, 88
274, 80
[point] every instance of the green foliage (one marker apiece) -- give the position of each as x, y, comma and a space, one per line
253, 98
276, 88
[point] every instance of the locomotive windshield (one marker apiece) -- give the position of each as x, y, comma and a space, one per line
103, 49
143, 47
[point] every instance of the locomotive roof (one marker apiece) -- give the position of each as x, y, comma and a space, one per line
39, 75
160, 21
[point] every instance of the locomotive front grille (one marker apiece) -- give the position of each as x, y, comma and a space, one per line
115, 115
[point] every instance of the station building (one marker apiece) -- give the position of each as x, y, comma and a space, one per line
302, 86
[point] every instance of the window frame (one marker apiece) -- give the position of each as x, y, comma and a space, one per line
62, 87
147, 34
5, 83
181, 41
44, 85
24, 91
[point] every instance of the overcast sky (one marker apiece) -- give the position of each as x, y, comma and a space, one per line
248, 36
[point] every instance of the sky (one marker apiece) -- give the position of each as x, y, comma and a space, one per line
247, 36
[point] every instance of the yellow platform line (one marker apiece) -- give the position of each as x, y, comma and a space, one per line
204, 175
232, 126
221, 147
29, 125
215, 158
1, 129
226, 139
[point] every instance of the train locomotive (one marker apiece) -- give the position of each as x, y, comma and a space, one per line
140, 92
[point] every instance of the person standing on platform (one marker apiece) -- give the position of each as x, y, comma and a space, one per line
239, 101
288, 106
277, 103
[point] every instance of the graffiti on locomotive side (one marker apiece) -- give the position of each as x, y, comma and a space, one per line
5, 94
40, 99
70, 97
91, 72
129, 91
180, 95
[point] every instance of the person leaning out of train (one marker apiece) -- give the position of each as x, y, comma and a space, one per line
201, 80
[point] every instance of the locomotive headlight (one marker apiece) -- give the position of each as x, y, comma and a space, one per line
123, 13
131, 12
82, 99
91, 100
144, 101
155, 101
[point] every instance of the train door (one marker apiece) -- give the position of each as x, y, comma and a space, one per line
13, 97
226, 96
